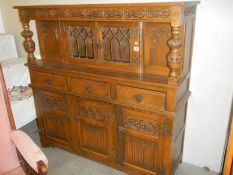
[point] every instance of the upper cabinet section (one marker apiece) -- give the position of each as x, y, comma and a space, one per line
103, 44
146, 38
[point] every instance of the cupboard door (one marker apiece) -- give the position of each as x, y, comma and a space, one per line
156, 36
79, 42
140, 145
119, 45
49, 40
93, 129
56, 121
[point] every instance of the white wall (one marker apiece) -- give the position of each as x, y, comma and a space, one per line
211, 84
2, 29
211, 80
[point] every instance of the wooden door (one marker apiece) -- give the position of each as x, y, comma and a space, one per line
119, 45
140, 144
93, 129
79, 42
56, 123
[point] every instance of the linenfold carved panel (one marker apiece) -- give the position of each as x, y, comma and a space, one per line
116, 13
140, 153
148, 127
94, 138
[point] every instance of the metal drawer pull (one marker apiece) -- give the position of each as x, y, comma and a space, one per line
88, 89
48, 81
138, 98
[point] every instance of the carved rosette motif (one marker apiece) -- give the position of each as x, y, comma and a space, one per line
174, 57
148, 127
91, 113
114, 13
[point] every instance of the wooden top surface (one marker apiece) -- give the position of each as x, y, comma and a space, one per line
127, 5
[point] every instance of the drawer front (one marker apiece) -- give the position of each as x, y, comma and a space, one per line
92, 88
49, 80
143, 97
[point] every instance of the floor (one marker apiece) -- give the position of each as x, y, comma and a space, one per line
65, 163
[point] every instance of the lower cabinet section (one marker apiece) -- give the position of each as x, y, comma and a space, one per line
126, 138
140, 145
53, 118
57, 125
93, 129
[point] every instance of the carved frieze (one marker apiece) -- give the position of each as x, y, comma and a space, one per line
49, 103
93, 113
149, 127
132, 13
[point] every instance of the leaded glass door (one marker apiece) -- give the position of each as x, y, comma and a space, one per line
79, 39
118, 45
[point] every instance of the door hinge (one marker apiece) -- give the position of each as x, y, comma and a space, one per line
164, 129
112, 154
161, 170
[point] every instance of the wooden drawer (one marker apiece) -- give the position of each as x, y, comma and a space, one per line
143, 97
89, 87
49, 80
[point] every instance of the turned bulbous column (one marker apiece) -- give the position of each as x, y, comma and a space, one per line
175, 56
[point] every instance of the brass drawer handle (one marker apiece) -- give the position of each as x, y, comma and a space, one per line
48, 81
88, 89
138, 98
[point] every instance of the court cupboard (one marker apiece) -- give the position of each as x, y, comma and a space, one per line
113, 81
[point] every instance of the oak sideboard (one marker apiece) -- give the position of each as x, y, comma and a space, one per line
112, 83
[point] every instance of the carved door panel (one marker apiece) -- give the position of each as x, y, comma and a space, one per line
140, 144
156, 36
119, 45
79, 42
56, 121
49, 40
93, 129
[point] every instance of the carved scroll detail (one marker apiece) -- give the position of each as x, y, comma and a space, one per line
141, 125
53, 104
114, 13
174, 57
91, 113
